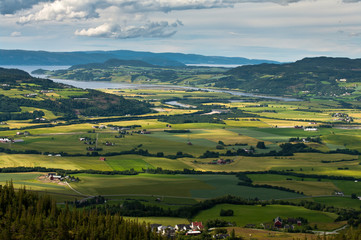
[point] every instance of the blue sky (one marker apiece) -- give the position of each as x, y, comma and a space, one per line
283, 30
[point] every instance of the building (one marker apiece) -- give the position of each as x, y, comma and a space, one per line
278, 222
196, 226
310, 129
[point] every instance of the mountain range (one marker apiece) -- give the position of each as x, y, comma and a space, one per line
43, 58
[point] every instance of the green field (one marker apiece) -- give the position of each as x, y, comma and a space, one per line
244, 215
189, 186
32, 183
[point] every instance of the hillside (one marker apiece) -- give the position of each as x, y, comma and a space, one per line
322, 76
42, 58
18, 90
113, 63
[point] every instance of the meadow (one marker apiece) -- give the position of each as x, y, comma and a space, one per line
187, 186
257, 215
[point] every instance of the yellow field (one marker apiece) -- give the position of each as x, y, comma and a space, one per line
71, 163
283, 123
246, 122
226, 136
48, 114
306, 161
146, 124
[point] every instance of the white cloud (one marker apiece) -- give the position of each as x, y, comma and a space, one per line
214, 27
15, 34
151, 29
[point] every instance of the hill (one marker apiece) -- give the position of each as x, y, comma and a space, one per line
18, 89
321, 76
42, 58
113, 63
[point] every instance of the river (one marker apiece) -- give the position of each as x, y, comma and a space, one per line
112, 85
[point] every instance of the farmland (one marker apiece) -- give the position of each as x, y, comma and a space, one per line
244, 215
190, 148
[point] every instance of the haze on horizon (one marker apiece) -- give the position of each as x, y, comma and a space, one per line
282, 30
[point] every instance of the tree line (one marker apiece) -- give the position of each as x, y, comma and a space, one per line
27, 215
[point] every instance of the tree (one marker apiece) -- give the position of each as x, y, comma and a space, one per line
261, 145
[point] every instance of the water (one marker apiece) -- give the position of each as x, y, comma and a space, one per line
175, 103
112, 85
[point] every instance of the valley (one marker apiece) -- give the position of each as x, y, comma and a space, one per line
184, 162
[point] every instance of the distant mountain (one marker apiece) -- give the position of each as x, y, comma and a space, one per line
113, 63
42, 58
321, 76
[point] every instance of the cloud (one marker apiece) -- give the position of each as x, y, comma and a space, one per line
12, 6
58, 10
151, 29
15, 34
61, 10
87, 8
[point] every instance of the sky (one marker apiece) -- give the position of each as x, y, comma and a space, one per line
282, 30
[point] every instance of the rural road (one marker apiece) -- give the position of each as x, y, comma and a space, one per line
77, 190
330, 232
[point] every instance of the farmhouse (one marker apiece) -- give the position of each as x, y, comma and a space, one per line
26, 133
182, 227
30, 95
166, 231
5, 140
196, 226
278, 222
310, 129
52, 176
102, 159
339, 194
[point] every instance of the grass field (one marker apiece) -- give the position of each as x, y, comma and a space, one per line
309, 186
32, 183
190, 186
341, 202
257, 214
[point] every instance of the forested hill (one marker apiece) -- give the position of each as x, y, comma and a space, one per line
41, 58
113, 63
321, 76
9, 75
18, 89
26, 215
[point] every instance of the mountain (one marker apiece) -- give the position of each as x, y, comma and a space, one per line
42, 58
112, 63
321, 76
